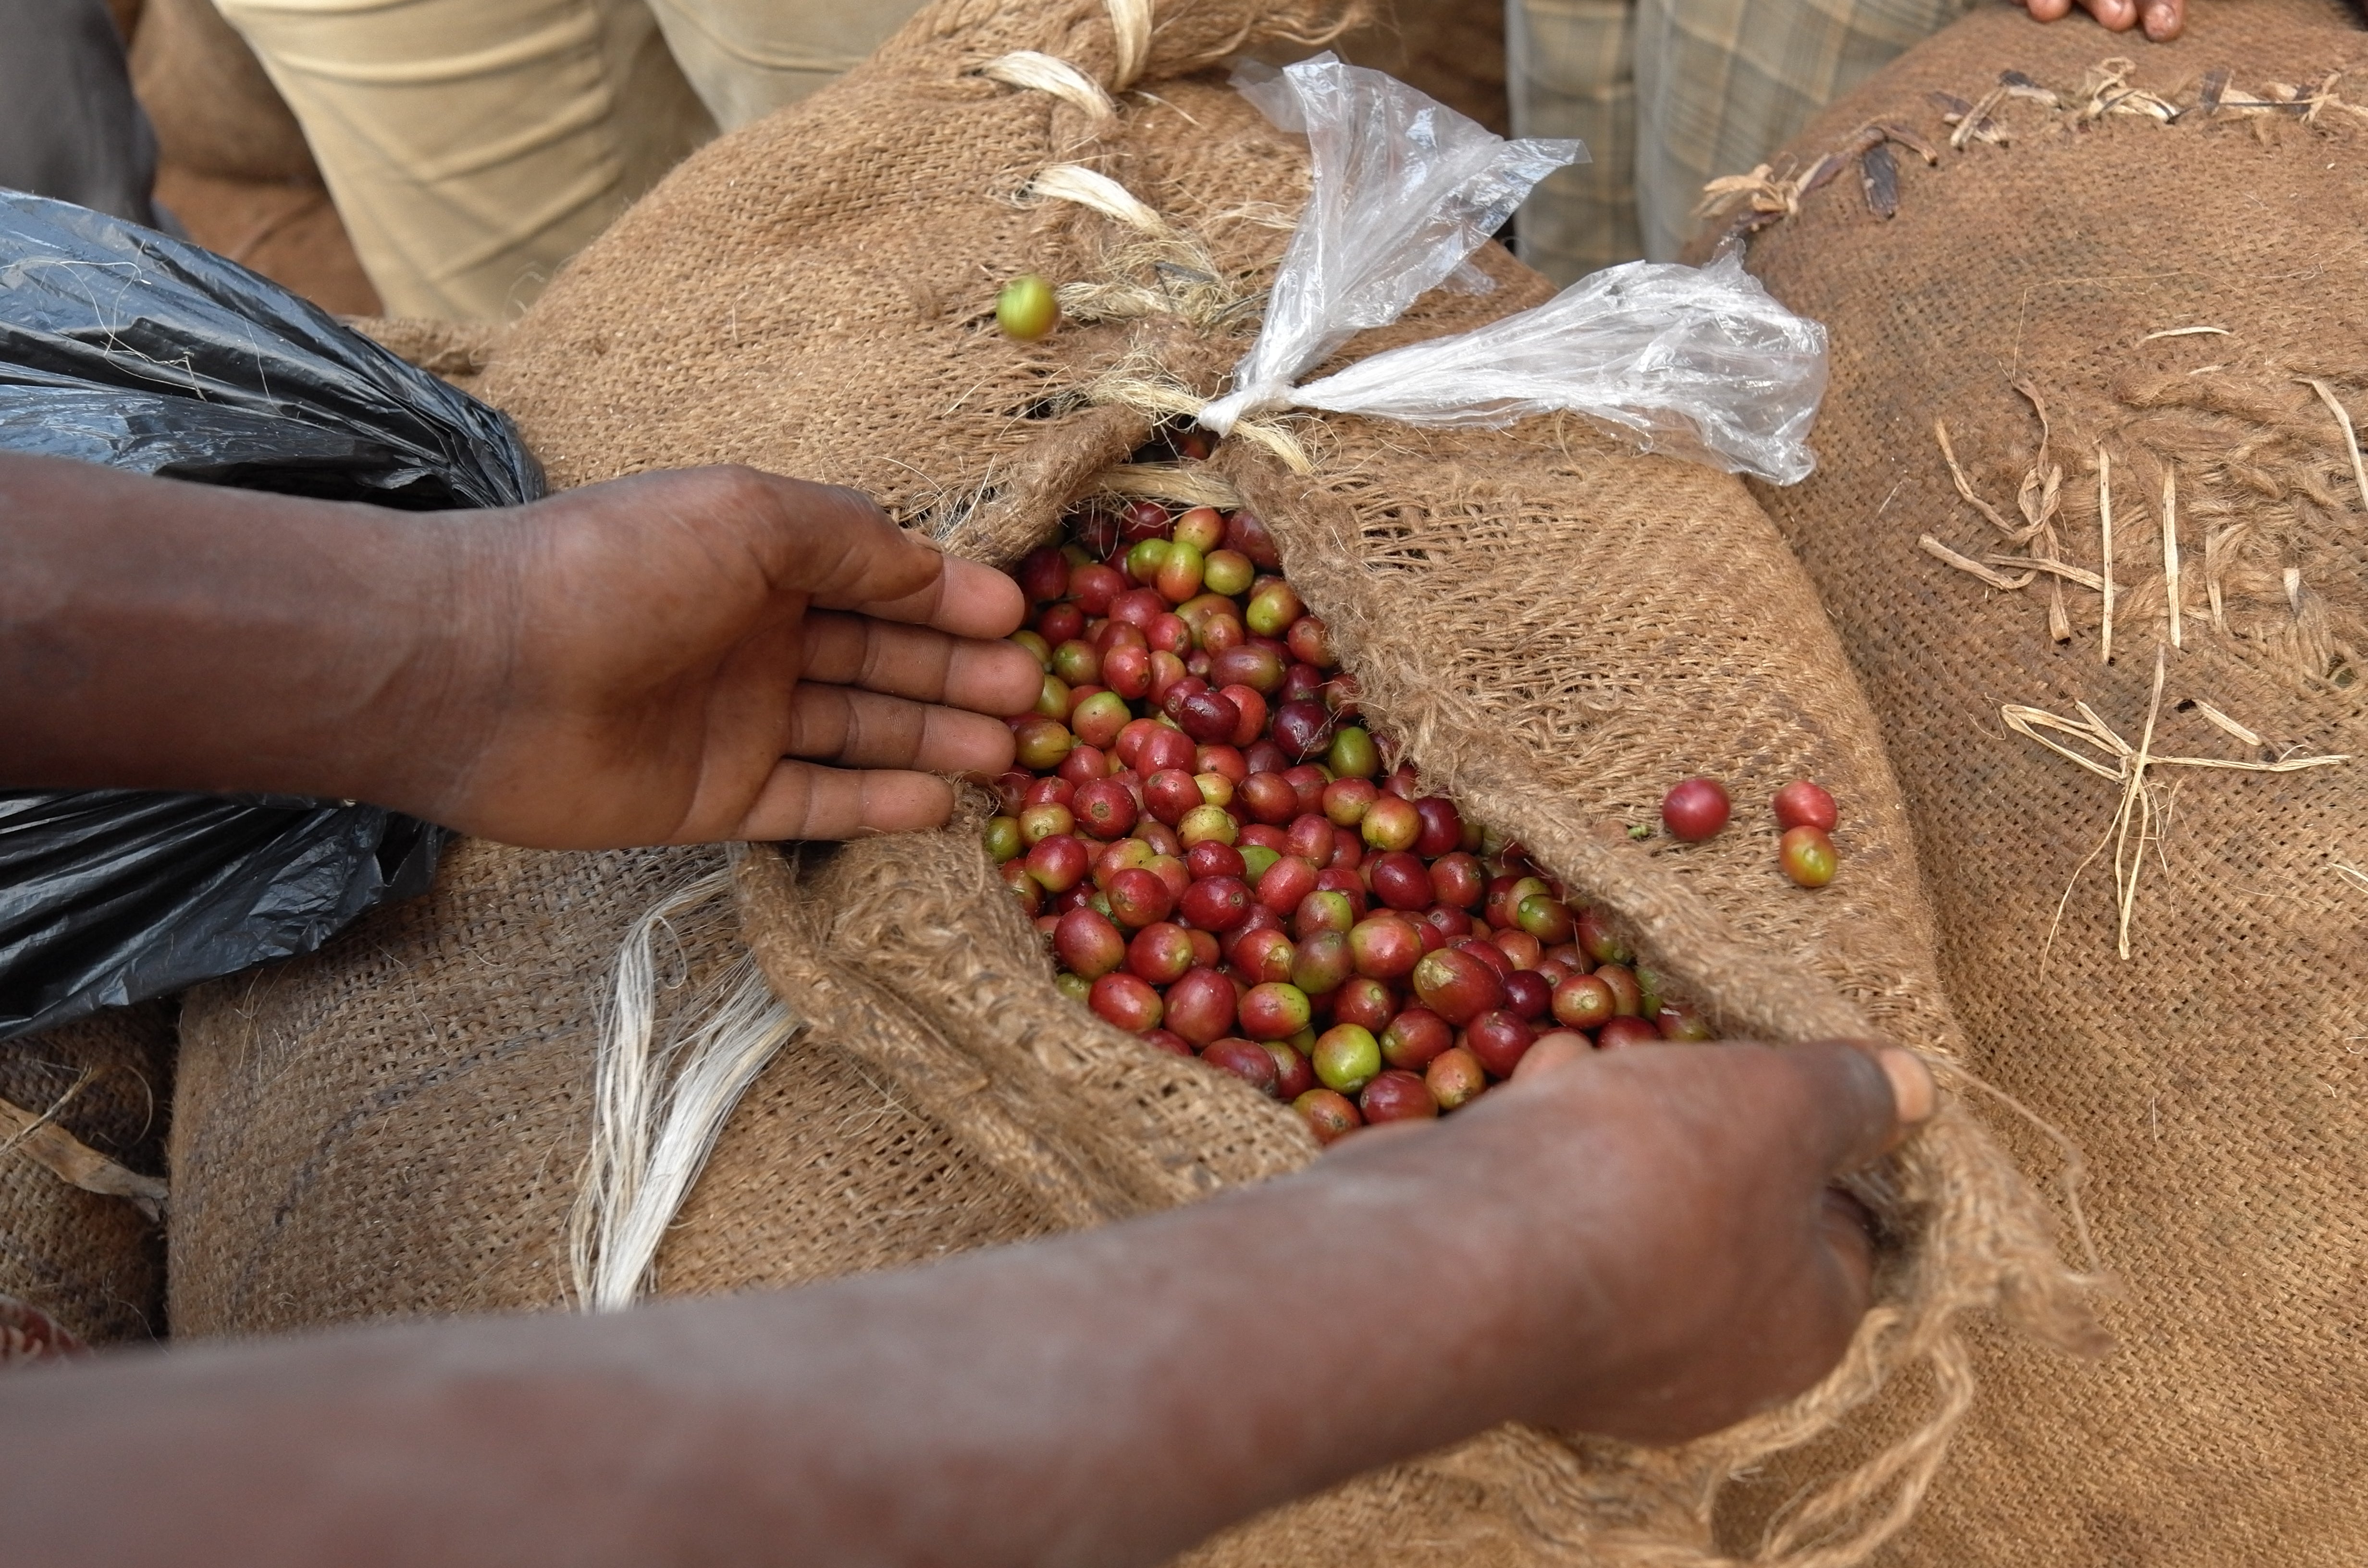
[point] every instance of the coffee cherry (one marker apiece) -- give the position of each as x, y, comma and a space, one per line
1622, 1033
1026, 308
1200, 1005
1695, 809
1246, 1060
1329, 1113
1128, 1000
1415, 1038
1455, 1078
1807, 856
1456, 985
1500, 1040
1276, 1010
1396, 1096
1804, 804
1346, 1058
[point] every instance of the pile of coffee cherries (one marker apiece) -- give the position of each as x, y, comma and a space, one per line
1226, 862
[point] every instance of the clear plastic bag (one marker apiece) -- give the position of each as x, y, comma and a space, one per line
1404, 190
1696, 362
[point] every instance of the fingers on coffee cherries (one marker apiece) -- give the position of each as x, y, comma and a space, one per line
1226, 863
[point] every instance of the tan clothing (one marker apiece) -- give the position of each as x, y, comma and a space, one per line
1670, 94
474, 146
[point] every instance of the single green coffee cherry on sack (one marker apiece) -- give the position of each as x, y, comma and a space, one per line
1026, 308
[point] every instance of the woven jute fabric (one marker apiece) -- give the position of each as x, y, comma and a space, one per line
93, 1262
2214, 1079
1555, 627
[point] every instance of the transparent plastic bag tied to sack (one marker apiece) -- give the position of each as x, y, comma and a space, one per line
1695, 362
1699, 363
1404, 190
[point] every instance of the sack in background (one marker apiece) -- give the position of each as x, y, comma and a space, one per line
90, 1261
2082, 271
1555, 626
123, 346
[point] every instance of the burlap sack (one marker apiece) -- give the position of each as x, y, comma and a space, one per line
1556, 627
91, 1260
2214, 1078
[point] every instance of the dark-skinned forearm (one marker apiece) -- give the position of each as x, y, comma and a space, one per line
1101, 1399
165, 635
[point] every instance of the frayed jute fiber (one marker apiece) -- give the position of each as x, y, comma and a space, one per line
1555, 627
2131, 285
82, 1109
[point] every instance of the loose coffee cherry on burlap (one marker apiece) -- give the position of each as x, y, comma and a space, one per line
1457, 986
1455, 1078
1246, 1060
1076, 988
1583, 1002
1127, 1001
1200, 1005
1443, 827
1353, 754
1168, 1041
1804, 804
1807, 856
1276, 1010
1415, 1038
1695, 809
1294, 1074
1329, 1113
1089, 944
1203, 527
1500, 1040
1396, 1096
1026, 308
1346, 1058
1622, 1033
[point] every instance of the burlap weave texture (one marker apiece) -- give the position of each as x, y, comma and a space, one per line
2075, 245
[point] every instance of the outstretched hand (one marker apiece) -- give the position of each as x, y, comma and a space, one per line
2163, 19
716, 653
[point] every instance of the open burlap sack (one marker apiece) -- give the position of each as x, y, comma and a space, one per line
83, 1110
1555, 628
2167, 291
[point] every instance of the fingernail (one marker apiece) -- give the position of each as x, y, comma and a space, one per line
1912, 1088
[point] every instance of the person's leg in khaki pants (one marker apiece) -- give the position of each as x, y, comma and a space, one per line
474, 146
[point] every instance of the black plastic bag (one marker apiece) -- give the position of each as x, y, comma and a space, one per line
123, 346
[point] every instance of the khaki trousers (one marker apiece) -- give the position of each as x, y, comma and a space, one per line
1671, 94
474, 146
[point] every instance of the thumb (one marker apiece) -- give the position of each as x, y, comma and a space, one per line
1865, 1096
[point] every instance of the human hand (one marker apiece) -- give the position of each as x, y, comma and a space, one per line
2164, 19
1698, 1263
711, 653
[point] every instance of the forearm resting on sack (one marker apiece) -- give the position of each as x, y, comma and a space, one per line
1639, 1244
678, 657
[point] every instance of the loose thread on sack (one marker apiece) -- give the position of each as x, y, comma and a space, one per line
659, 1107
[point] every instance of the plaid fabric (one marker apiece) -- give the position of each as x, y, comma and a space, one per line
1703, 87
